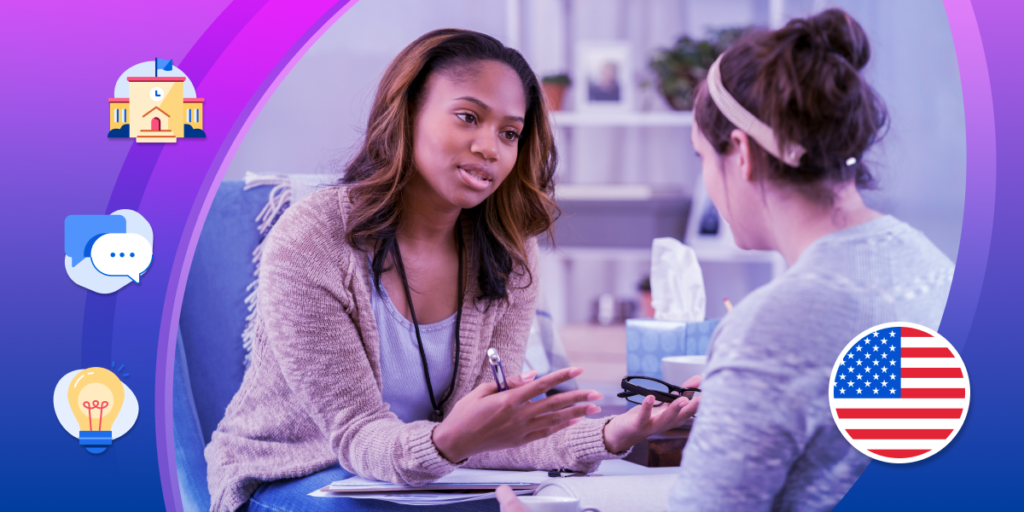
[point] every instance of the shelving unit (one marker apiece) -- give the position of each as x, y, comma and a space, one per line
613, 260
568, 119
563, 283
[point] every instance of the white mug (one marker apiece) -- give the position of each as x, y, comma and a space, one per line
553, 504
678, 369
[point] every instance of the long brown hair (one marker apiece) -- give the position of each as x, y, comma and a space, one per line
804, 81
521, 207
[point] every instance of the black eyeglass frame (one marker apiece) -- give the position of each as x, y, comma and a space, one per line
661, 397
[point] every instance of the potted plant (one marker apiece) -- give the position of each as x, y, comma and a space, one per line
554, 89
681, 68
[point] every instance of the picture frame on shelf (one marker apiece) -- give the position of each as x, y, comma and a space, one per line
710, 236
706, 229
604, 76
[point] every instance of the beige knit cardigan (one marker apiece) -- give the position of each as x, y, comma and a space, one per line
312, 396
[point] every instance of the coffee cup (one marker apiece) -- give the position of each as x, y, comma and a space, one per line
678, 369
553, 504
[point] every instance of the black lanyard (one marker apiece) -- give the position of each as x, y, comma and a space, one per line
438, 413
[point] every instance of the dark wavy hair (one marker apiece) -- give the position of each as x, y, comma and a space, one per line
521, 207
804, 81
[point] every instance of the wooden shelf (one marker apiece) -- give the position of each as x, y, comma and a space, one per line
704, 255
569, 118
607, 192
601, 351
716, 255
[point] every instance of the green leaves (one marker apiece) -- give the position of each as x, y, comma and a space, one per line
562, 79
682, 67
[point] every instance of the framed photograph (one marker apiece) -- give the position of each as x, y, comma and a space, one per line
604, 76
706, 229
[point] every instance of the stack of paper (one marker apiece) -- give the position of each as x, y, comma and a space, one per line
464, 485
458, 486
420, 498
461, 478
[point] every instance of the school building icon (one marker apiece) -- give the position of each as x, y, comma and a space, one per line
156, 110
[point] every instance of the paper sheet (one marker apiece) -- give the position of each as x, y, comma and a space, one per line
618, 467
461, 477
487, 479
421, 499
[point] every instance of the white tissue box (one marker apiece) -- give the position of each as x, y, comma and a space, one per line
649, 340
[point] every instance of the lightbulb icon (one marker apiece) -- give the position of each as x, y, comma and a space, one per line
95, 396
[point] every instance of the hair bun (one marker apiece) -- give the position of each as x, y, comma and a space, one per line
835, 31
804, 81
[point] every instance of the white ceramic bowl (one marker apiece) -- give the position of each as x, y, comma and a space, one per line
550, 503
677, 369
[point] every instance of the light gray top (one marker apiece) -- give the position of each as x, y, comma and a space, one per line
401, 368
764, 437
312, 397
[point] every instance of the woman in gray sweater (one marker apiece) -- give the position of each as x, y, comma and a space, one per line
781, 126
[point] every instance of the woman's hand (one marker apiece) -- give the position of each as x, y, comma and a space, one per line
509, 501
485, 420
643, 421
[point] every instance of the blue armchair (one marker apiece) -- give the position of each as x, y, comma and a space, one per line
209, 358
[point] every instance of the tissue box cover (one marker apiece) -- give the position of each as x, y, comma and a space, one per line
648, 340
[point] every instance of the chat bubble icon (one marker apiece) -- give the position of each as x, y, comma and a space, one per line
122, 254
82, 231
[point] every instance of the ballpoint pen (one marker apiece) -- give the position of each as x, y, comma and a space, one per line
566, 473
499, 371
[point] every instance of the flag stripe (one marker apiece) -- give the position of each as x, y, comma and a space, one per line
931, 373
921, 433
899, 454
933, 393
903, 403
932, 383
925, 352
928, 362
898, 444
910, 332
899, 413
897, 423
921, 342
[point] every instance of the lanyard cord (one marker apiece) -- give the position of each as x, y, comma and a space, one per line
458, 324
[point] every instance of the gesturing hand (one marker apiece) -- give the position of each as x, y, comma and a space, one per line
509, 501
646, 420
485, 420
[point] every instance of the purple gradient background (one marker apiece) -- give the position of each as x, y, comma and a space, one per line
59, 65
980, 468
63, 71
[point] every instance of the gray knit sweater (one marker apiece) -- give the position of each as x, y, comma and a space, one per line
312, 397
764, 438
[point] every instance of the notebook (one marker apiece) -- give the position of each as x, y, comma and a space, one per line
458, 480
464, 485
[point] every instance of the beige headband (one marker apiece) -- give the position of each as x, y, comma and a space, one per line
747, 122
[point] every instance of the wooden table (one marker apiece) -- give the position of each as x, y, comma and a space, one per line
658, 451
661, 450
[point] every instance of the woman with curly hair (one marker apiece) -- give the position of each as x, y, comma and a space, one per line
782, 125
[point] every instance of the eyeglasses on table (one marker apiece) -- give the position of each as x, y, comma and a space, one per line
635, 388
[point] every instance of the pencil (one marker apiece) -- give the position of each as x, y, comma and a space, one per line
728, 304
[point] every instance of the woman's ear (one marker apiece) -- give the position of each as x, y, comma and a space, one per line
741, 144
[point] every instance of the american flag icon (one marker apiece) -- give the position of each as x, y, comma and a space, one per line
899, 392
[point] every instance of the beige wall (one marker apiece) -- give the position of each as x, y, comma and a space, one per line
171, 103
114, 123
197, 121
